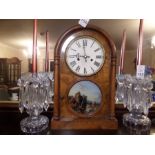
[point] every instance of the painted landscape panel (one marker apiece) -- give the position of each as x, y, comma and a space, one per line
85, 97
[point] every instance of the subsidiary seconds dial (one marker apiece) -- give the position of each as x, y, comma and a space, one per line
85, 56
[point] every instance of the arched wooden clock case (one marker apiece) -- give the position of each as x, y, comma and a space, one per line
66, 117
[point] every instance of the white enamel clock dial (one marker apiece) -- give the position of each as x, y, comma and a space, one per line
85, 56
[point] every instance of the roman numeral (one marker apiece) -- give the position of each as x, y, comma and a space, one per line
77, 69
97, 49
71, 56
73, 49
78, 44
92, 69
96, 63
73, 63
92, 44
84, 42
98, 56
85, 71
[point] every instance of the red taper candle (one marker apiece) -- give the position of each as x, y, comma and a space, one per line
34, 54
47, 52
120, 71
140, 43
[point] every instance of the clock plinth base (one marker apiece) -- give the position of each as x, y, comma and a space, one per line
93, 123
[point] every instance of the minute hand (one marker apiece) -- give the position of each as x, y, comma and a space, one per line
85, 55
84, 51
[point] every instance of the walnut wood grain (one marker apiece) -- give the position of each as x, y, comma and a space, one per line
64, 116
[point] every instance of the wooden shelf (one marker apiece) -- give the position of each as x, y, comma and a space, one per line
9, 104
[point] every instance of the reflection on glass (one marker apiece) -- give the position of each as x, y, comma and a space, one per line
66, 43
85, 97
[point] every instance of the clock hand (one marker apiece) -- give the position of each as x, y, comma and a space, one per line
84, 50
78, 56
85, 55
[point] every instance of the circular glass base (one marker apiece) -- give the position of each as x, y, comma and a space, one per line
34, 124
137, 124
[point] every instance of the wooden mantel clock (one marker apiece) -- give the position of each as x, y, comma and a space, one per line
84, 80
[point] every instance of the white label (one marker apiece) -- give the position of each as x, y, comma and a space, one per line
83, 22
140, 71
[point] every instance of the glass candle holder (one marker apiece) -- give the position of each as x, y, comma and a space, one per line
136, 96
36, 92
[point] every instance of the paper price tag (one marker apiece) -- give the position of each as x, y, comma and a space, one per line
83, 22
140, 71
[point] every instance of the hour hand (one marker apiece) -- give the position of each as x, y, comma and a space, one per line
85, 56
